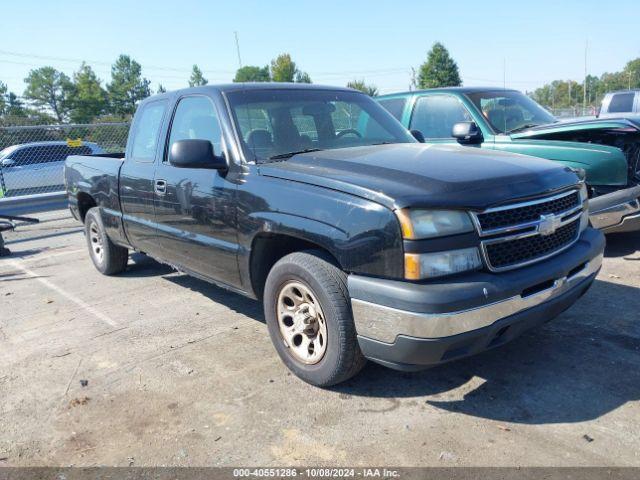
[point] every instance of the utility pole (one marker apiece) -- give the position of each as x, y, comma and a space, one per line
630, 79
504, 73
238, 49
584, 93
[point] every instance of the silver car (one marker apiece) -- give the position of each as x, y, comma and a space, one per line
38, 166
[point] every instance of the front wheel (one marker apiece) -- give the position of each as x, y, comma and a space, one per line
107, 257
308, 313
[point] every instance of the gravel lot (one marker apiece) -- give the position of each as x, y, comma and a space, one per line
183, 373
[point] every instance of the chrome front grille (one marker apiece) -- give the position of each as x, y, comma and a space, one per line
520, 234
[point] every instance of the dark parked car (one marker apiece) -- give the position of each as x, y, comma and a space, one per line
361, 242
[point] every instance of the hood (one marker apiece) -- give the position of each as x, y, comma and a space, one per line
418, 175
618, 124
587, 144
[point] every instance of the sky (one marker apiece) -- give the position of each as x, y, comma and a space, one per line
525, 44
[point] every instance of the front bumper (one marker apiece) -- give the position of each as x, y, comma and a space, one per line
416, 325
616, 212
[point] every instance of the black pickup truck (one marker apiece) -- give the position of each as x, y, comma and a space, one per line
361, 241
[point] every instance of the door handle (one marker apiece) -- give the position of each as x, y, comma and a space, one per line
160, 187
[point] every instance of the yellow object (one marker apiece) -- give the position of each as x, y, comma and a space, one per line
74, 143
411, 266
405, 224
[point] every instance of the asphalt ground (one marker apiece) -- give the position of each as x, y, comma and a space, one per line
154, 368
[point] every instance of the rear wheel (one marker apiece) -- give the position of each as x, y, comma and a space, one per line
308, 313
107, 257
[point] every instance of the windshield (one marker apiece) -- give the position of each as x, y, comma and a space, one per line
275, 123
508, 111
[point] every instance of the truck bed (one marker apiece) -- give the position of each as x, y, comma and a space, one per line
96, 175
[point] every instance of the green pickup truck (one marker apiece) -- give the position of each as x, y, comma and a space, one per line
608, 150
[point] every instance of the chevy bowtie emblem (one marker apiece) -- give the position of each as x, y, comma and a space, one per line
549, 224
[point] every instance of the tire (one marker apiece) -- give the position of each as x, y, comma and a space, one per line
107, 257
322, 304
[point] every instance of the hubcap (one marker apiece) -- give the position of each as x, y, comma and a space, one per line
96, 242
302, 323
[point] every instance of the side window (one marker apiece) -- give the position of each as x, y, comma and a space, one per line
621, 102
196, 119
395, 106
146, 131
435, 115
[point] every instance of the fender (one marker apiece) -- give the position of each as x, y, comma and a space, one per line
363, 236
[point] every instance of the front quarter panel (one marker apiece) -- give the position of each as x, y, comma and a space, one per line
363, 236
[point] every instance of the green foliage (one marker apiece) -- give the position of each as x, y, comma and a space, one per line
570, 94
127, 86
89, 99
12, 111
197, 79
303, 77
252, 73
161, 89
3, 98
440, 70
50, 89
283, 68
370, 90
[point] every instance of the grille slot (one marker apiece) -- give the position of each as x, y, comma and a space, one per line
522, 250
513, 216
522, 233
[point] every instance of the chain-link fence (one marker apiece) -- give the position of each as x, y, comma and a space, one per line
32, 157
574, 112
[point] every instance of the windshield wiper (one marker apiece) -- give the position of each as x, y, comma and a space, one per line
291, 154
523, 127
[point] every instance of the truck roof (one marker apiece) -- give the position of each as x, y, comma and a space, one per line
462, 90
232, 87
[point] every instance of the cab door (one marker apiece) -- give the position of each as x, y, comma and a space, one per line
136, 177
196, 208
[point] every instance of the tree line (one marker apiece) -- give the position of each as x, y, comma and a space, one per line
51, 96
571, 94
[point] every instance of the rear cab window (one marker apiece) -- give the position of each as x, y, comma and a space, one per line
621, 102
146, 130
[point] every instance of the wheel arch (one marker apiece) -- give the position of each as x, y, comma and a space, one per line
267, 248
85, 202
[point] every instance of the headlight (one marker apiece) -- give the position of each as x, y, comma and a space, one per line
584, 196
418, 266
418, 224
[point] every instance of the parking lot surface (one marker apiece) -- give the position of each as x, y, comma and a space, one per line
153, 367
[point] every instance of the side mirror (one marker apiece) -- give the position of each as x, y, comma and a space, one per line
417, 134
8, 162
467, 133
195, 154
